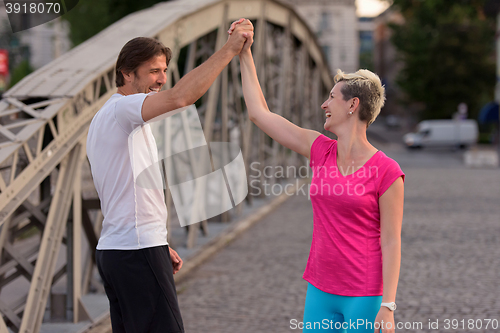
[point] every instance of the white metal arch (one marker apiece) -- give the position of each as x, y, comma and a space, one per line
45, 117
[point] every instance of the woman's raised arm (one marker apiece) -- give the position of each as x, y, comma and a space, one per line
280, 129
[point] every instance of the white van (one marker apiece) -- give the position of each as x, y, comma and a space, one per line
431, 133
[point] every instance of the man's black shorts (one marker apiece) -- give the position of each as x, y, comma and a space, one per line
141, 290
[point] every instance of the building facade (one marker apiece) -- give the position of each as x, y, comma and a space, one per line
336, 26
386, 64
38, 45
365, 29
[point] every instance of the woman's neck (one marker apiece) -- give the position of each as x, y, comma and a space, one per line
352, 143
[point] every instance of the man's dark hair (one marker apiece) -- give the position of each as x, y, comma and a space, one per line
136, 52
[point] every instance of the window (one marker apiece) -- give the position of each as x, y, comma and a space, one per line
326, 52
324, 22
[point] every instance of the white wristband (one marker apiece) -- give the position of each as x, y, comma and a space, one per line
391, 306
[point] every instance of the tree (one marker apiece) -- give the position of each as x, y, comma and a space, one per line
90, 17
19, 72
87, 19
447, 50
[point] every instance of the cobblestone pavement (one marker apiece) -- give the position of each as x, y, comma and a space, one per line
451, 249
450, 265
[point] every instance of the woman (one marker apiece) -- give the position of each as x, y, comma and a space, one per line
357, 199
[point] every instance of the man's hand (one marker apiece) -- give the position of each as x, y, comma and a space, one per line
195, 84
240, 35
176, 260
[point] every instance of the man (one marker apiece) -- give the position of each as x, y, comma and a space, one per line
133, 257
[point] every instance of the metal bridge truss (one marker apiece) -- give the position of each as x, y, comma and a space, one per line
50, 219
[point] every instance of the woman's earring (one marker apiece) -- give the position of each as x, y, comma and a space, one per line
350, 112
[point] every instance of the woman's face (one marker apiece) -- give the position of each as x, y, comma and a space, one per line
336, 109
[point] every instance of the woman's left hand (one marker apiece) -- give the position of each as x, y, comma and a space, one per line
385, 320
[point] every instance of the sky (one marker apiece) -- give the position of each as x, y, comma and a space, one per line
370, 8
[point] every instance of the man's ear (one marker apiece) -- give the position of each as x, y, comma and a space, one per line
128, 76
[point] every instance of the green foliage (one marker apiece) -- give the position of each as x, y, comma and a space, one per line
447, 50
19, 72
366, 60
89, 17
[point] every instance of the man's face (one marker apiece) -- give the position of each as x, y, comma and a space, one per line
151, 75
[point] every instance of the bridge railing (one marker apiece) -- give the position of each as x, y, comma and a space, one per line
47, 212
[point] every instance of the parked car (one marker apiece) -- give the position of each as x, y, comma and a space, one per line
453, 133
392, 122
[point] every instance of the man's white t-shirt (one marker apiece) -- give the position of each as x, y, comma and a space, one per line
134, 216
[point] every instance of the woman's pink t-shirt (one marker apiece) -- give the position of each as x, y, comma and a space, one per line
345, 257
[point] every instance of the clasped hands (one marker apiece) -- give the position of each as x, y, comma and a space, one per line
242, 33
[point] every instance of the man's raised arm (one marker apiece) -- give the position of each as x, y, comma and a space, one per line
196, 83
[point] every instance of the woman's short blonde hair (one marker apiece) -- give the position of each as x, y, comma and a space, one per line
366, 86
